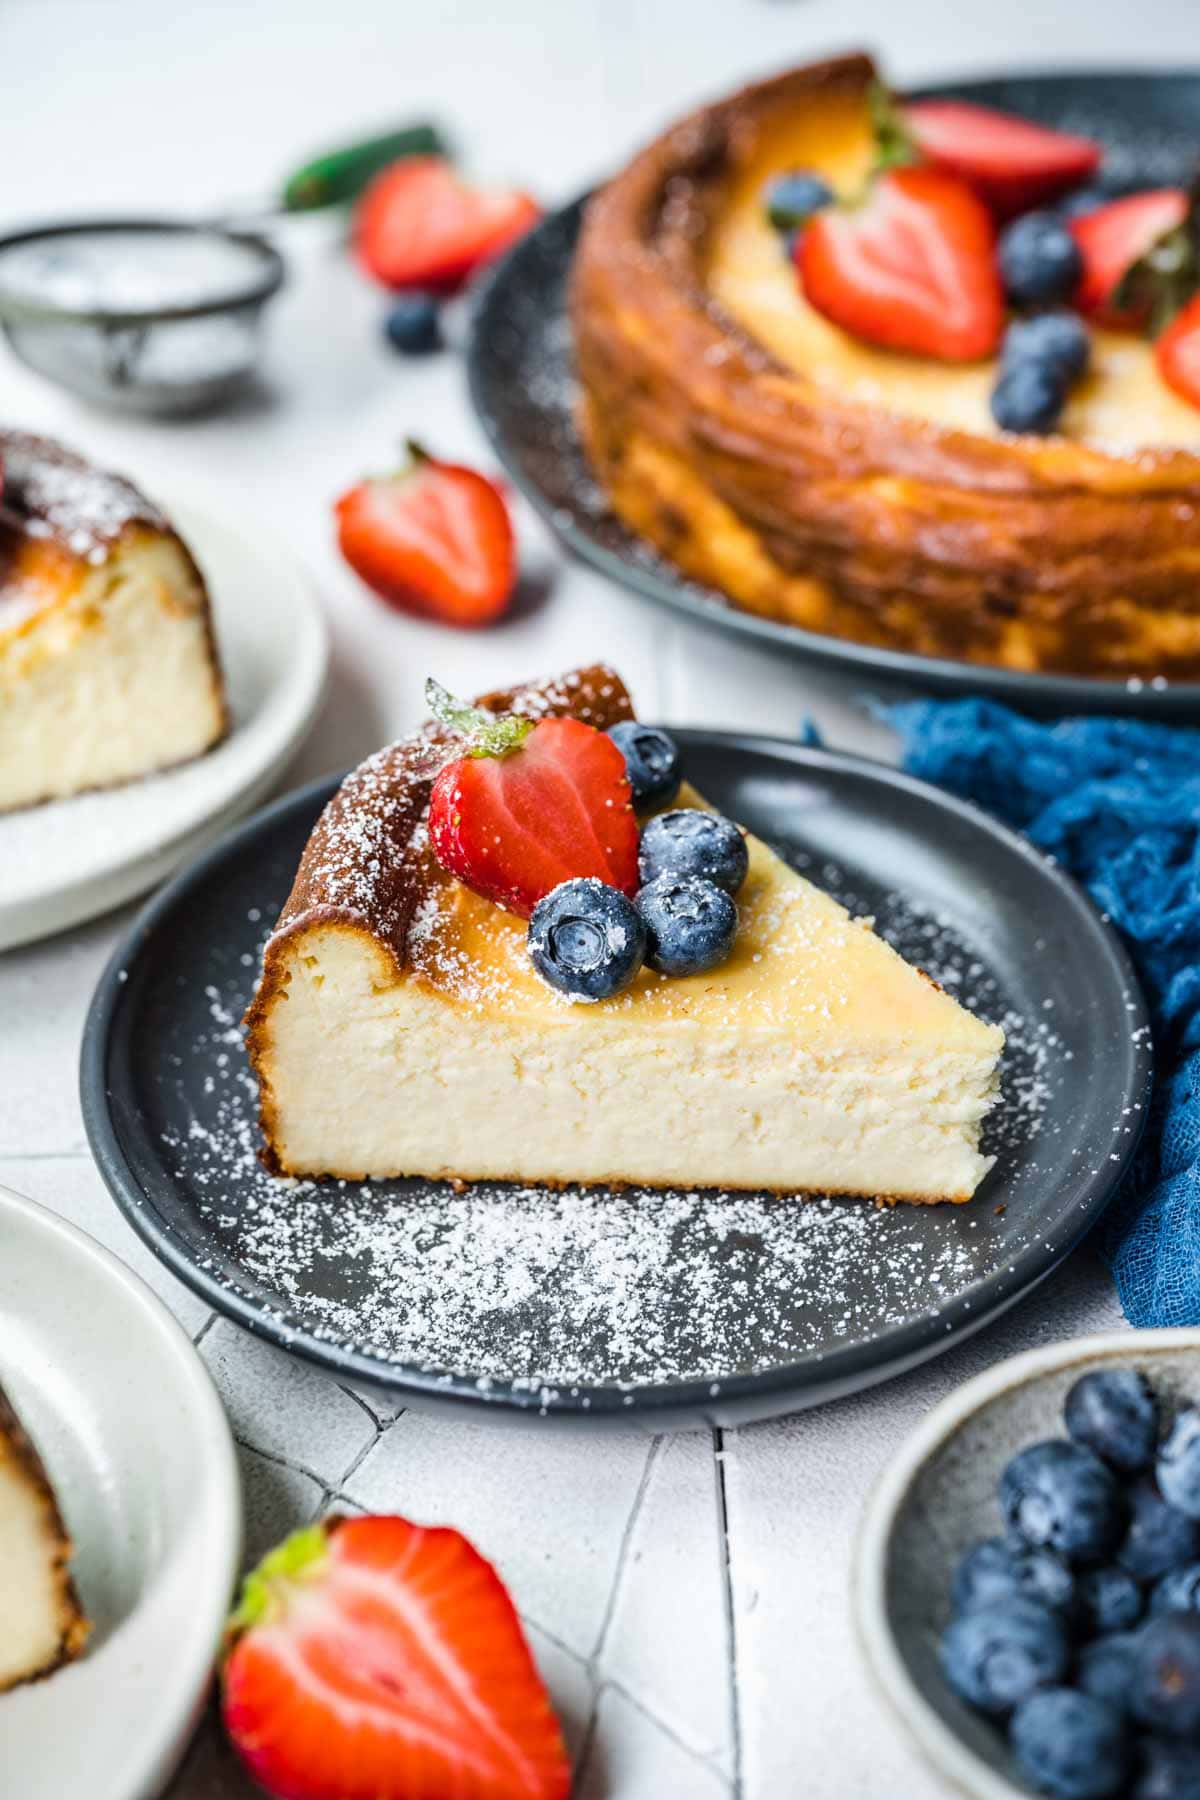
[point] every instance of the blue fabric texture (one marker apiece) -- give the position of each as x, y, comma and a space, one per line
1117, 802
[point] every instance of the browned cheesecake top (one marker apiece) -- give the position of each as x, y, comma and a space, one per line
50, 492
367, 860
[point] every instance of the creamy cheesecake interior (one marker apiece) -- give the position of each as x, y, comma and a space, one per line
1122, 403
40, 1621
106, 669
815, 1059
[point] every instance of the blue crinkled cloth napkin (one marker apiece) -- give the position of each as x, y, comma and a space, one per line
1117, 802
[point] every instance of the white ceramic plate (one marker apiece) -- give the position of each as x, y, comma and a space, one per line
69, 860
938, 1496
137, 1446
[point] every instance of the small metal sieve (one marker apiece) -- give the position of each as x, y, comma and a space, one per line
153, 316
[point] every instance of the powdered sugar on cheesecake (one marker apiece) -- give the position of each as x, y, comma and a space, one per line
56, 494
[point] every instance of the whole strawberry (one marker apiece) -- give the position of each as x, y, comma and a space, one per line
527, 806
420, 225
434, 538
374, 1659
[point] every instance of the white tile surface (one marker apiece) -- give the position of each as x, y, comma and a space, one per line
634, 1757
278, 1404
550, 1509
666, 1641
550, 94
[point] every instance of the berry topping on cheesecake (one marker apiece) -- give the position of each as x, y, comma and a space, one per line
1040, 261
690, 924
1177, 353
373, 1659
692, 842
1116, 240
1012, 163
587, 939
652, 762
911, 266
528, 806
434, 538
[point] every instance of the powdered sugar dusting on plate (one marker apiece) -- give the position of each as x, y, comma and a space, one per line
552, 1289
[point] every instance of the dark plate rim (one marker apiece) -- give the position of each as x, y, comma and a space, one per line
841, 655
820, 1374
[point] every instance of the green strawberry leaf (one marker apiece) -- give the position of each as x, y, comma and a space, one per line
484, 733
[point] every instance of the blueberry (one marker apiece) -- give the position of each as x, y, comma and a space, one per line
1105, 1667
1159, 1538
1165, 1694
1178, 1466
1040, 262
652, 762
1028, 397
995, 1571
586, 939
1083, 201
1113, 1411
691, 842
690, 924
793, 199
1058, 342
993, 1658
1109, 1599
1062, 1496
1169, 1772
412, 325
1178, 1592
1071, 1745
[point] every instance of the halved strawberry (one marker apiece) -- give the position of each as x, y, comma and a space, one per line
912, 266
1113, 239
1177, 353
436, 538
528, 806
1010, 162
373, 1659
420, 225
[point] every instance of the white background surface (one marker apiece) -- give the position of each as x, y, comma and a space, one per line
693, 1656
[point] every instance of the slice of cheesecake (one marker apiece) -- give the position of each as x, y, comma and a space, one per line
108, 665
399, 1027
41, 1624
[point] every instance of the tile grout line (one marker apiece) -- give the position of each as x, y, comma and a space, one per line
285, 1462
735, 1715
706, 1761
592, 1663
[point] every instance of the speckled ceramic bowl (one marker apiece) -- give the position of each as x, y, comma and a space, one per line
937, 1497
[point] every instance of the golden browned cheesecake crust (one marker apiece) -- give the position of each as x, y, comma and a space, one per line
61, 518
73, 1627
841, 517
367, 865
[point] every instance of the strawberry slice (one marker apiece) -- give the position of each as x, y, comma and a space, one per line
529, 806
1113, 239
1177, 353
1010, 162
911, 267
436, 539
373, 1659
419, 225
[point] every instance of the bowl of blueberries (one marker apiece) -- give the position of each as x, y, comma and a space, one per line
1028, 1575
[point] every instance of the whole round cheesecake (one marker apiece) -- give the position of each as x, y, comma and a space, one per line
850, 489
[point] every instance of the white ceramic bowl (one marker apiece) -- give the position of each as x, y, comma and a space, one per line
139, 1451
938, 1496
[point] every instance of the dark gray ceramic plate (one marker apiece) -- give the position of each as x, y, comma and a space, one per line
637, 1306
522, 383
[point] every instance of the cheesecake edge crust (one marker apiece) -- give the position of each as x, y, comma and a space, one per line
878, 527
